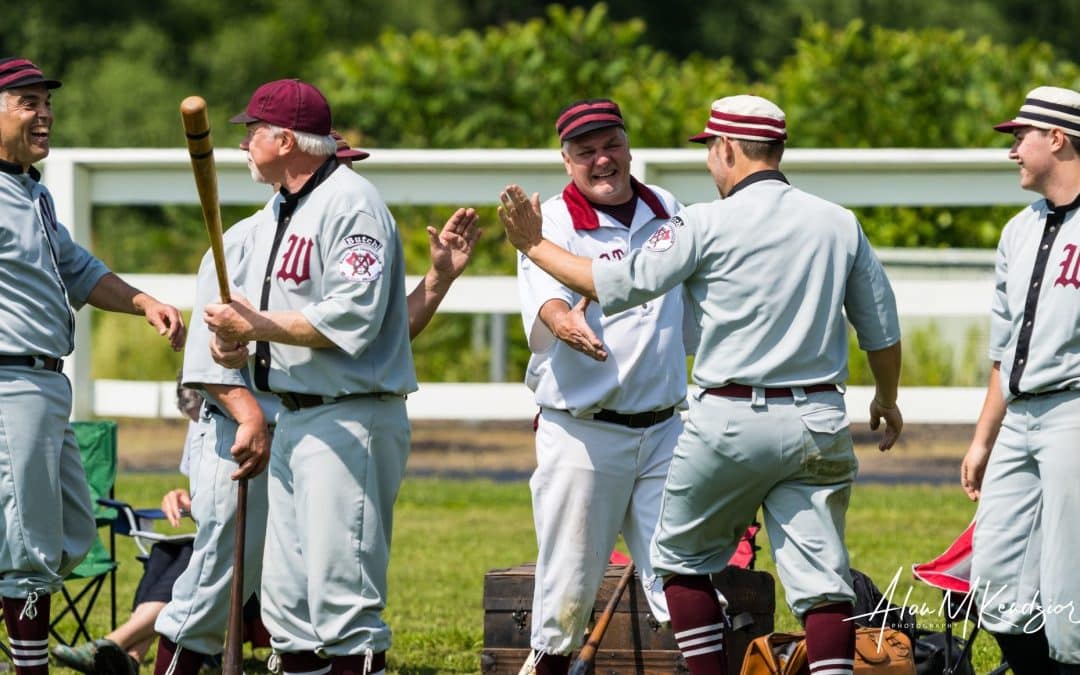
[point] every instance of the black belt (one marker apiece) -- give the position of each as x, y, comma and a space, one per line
293, 401
1026, 396
38, 362
745, 391
636, 420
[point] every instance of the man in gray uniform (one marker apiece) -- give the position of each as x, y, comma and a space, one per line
193, 625
772, 270
332, 342
1023, 465
47, 521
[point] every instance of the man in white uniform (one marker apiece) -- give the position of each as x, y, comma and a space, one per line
772, 271
608, 387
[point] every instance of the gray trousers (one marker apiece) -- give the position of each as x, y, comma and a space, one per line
1026, 535
197, 615
46, 518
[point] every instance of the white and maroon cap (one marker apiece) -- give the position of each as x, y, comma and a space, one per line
747, 117
1047, 108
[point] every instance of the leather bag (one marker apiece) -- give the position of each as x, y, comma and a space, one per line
785, 654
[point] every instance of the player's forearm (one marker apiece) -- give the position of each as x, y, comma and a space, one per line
885, 366
572, 271
291, 328
238, 401
113, 294
425, 299
993, 410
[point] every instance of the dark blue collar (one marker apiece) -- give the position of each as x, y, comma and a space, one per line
757, 177
16, 169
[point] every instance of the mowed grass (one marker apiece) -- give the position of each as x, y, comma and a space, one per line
448, 534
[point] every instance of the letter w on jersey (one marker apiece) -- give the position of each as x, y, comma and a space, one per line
296, 263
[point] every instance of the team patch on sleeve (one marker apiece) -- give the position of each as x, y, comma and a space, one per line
662, 239
363, 258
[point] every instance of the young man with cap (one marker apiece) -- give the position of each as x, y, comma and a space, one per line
772, 271
608, 387
1023, 464
332, 344
48, 522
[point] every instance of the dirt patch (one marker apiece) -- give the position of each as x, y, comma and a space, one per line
925, 453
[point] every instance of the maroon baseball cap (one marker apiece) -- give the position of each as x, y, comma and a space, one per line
345, 152
587, 115
18, 72
289, 104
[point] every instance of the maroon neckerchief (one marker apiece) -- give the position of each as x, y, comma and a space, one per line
583, 215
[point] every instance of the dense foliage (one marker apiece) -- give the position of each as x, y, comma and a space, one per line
434, 74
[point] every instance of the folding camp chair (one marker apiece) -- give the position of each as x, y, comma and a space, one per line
950, 572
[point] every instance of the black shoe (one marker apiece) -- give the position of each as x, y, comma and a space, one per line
110, 659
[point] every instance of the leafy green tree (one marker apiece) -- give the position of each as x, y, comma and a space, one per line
504, 87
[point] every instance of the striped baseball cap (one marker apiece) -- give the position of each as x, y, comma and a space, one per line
581, 117
1047, 108
745, 116
18, 72
345, 152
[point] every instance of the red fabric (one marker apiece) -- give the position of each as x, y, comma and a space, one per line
950, 571
745, 554
829, 633
583, 215
617, 558
697, 621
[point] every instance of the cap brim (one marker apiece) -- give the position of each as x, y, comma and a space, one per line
32, 82
701, 138
1008, 126
243, 118
352, 154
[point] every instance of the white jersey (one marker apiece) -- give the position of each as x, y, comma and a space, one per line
1046, 294
647, 345
770, 270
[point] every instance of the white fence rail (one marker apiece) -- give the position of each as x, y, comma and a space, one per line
82, 178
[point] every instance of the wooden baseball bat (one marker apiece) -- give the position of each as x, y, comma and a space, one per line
586, 658
201, 149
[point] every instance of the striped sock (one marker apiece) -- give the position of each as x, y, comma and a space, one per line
27, 621
697, 620
830, 640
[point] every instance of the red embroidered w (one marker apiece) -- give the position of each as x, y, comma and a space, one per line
1069, 268
296, 263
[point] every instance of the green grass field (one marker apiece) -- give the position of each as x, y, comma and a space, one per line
448, 534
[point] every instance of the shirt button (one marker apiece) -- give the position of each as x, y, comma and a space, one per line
1035, 285
266, 280
1046, 246
1028, 324
1020, 361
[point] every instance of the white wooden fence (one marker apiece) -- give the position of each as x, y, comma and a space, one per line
82, 178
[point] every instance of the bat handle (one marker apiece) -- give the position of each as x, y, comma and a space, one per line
586, 659
233, 661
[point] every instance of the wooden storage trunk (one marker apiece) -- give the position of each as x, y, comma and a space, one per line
634, 642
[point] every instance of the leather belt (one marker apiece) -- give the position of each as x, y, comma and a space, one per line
36, 362
293, 401
745, 391
636, 420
